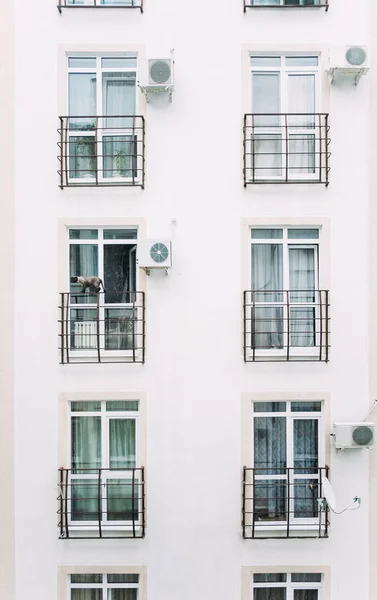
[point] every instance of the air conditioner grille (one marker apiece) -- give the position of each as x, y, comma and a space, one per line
362, 435
159, 252
356, 56
160, 71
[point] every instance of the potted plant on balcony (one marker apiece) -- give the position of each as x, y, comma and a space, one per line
120, 162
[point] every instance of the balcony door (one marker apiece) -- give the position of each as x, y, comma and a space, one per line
285, 130
284, 283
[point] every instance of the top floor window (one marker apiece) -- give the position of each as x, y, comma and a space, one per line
100, 4
286, 3
287, 586
285, 137
102, 138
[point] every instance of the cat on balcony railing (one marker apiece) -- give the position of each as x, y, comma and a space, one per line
89, 282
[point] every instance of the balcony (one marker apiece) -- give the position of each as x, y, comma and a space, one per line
283, 503
101, 151
286, 148
286, 4
101, 503
100, 4
102, 328
281, 325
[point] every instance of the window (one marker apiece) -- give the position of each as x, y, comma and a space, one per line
288, 458
103, 487
98, 586
285, 312
288, 2
107, 318
286, 137
102, 138
287, 586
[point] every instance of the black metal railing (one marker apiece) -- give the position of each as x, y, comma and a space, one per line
283, 502
99, 4
286, 148
101, 503
105, 327
286, 325
101, 151
286, 4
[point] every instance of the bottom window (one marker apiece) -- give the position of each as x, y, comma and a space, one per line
110, 586
287, 586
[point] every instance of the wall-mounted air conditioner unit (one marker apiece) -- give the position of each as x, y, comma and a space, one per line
353, 435
160, 77
352, 61
154, 254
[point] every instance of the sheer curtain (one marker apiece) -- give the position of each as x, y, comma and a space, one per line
271, 594
302, 286
122, 448
305, 457
119, 95
87, 594
85, 454
266, 142
267, 279
301, 144
270, 458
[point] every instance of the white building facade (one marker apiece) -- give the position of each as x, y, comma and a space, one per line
172, 433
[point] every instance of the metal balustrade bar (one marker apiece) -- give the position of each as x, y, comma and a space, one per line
286, 148
105, 327
283, 503
104, 4
101, 151
101, 503
286, 325
286, 4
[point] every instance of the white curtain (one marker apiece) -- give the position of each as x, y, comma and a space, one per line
301, 144
82, 99
305, 462
118, 91
266, 142
302, 286
122, 497
83, 594
267, 279
270, 594
85, 454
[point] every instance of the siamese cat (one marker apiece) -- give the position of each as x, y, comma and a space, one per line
89, 282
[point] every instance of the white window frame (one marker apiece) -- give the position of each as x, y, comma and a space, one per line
104, 586
286, 243
98, 3
298, 524
105, 416
290, 586
99, 133
101, 242
284, 71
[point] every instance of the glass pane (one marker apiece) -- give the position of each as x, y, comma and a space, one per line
85, 406
301, 61
118, 97
119, 594
305, 498
91, 594
83, 62
310, 577
84, 500
267, 3
122, 405
301, 99
306, 406
265, 61
270, 594
305, 446
83, 329
86, 444
301, 154
82, 157
86, 578
270, 499
119, 270
119, 156
267, 328
302, 274
303, 234
82, 100
122, 433
305, 595
266, 98
83, 234
118, 61
120, 234
269, 406
267, 234
123, 578
120, 329
270, 455
266, 155
122, 500
83, 261
267, 274
302, 326
270, 577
